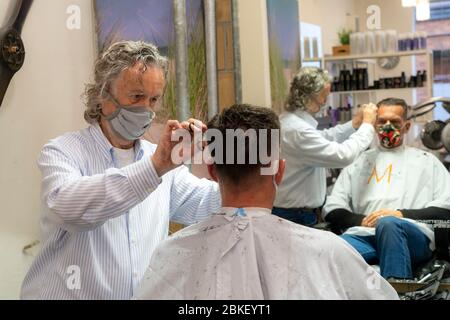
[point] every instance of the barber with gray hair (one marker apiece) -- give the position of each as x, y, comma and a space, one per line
107, 195
308, 151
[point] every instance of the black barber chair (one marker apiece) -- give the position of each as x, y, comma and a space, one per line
431, 279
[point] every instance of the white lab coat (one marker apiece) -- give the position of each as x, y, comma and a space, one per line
403, 178
258, 256
308, 152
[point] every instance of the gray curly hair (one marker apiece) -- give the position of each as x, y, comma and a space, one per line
117, 58
307, 84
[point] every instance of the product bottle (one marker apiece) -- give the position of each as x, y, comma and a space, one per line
416, 41
401, 42
335, 116
354, 85
403, 80
419, 79
366, 79
333, 85
348, 80
349, 113
423, 40
424, 77
413, 81
410, 41
341, 83
361, 79
376, 84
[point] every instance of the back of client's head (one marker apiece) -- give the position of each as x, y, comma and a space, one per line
250, 143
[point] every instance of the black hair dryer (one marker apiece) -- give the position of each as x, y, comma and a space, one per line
436, 134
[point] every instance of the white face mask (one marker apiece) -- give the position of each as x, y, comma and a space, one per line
322, 106
130, 122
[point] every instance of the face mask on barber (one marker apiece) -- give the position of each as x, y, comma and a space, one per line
322, 105
390, 136
130, 122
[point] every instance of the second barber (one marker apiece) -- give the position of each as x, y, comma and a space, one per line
308, 151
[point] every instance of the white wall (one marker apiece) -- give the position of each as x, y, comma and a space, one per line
42, 102
331, 15
254, 42
393, 14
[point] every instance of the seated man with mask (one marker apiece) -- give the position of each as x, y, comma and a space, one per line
379, 200
244, 252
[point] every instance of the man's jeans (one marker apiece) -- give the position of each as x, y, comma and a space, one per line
398, 246
299, 216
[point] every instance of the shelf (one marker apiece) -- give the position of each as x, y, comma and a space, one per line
377, 56
374, 90
312, 60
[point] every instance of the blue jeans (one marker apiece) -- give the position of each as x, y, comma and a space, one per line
398, 246
305, 218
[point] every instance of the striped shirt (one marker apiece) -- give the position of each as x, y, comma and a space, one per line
100, 223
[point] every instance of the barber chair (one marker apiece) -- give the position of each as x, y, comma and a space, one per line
431, 279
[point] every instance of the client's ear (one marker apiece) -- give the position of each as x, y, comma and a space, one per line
212, 172
407, 126
279, 175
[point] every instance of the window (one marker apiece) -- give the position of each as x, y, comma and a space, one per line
441, 60
439, 9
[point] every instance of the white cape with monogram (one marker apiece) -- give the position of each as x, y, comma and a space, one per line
255, 255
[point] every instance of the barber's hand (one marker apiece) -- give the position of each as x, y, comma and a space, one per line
371, 220
358, 118
370, 113
196, 128
162, 158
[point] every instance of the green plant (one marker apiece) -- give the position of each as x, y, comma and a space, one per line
197, 84
344, 36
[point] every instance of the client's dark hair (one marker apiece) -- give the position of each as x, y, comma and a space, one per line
245, 117
395, 102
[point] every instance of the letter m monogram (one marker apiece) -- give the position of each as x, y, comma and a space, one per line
377, 178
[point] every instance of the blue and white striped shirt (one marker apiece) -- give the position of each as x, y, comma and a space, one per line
100, 224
